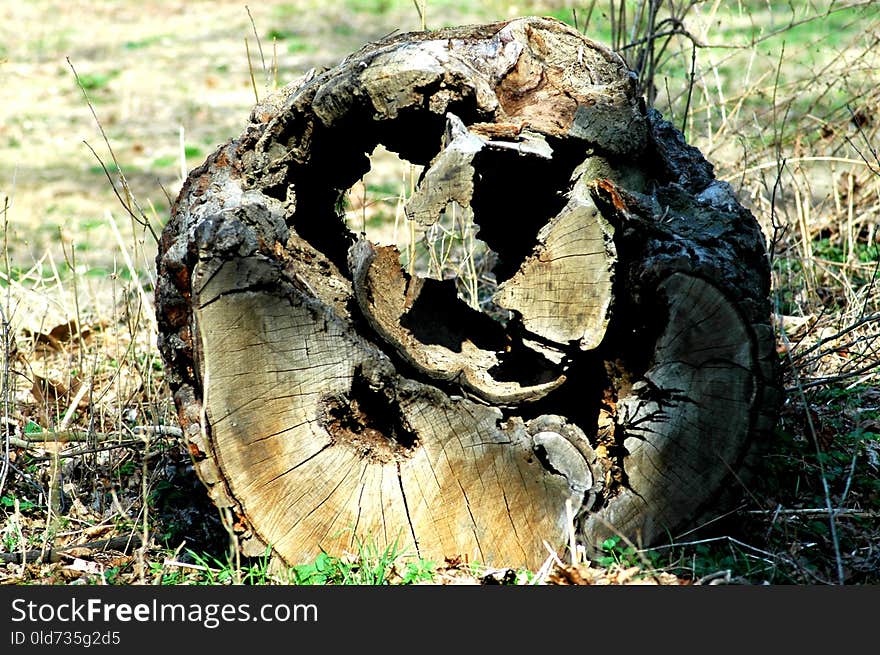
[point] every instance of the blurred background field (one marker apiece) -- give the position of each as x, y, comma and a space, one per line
107, 106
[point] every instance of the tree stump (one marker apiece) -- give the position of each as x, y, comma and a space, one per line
328, 396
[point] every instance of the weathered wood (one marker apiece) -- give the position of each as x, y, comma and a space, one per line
562, 290
458, 343
329, 396
320, 441
702, 368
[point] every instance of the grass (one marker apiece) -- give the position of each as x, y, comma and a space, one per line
366, 566
146, 42
96, 81
782, 101
369, 565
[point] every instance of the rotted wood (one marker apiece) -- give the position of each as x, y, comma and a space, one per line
330, 397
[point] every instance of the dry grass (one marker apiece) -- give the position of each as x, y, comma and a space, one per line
783, 102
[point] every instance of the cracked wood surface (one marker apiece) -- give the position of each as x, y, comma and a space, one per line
271, 366
387, 295
563, 289
328, 396
703, 369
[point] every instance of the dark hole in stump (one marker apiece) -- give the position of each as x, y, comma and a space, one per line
368, 420
515, 196
440, 317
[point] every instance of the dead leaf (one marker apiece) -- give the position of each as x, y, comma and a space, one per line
50, 392
47, 391
110, 558
590, 575
624, 575
97, 531
76, 552
568, 575
83, 566
59, 335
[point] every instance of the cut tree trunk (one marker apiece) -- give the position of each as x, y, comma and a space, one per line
330, 397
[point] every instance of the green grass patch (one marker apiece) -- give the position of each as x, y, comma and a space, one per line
97, 81
51, 43
89, 224
102, 272
212, 570
372, 566
139, 44
369, 566
286, 11
165, 161
344, 29
384, 190
8, 501
295, 42
376, 220
300, 47
276, 34
595, 25
835, 251
617, 553
373, 7
112, 168
806, 30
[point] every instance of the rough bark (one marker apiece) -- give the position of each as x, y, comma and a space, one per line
328, 396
